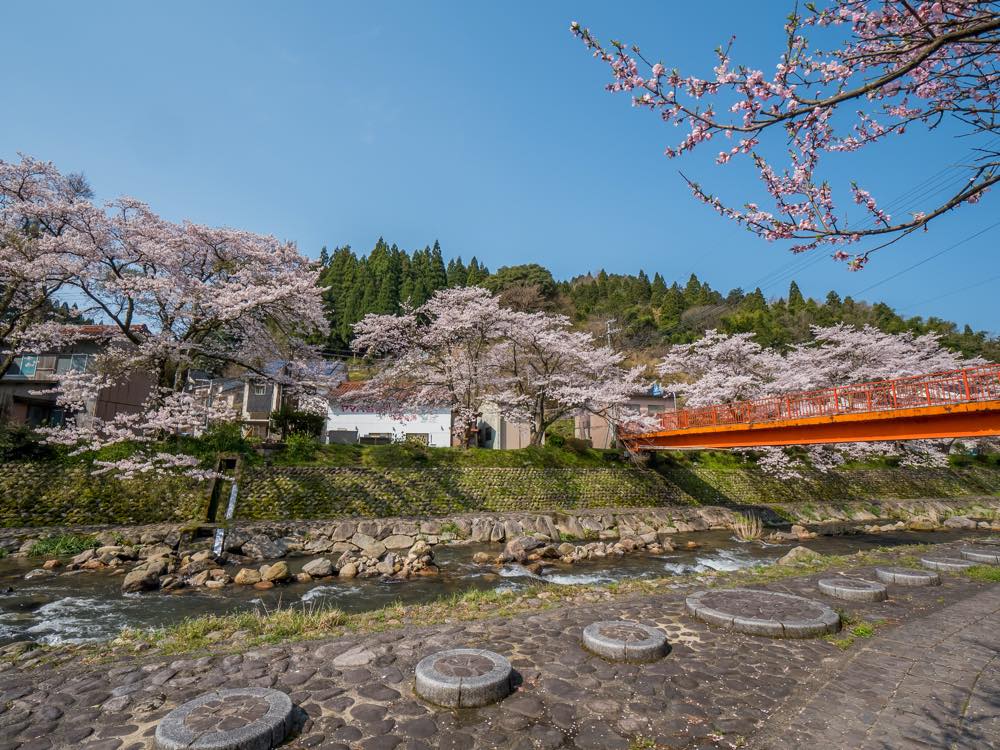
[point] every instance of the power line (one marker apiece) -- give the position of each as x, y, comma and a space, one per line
929, 258
954, 291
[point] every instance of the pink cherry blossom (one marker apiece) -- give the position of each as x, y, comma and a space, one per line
904, 64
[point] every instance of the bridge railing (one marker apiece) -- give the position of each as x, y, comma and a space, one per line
936, 389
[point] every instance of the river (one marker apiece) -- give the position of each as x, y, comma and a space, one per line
89, 606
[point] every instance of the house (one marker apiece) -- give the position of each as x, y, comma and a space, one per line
252, 398
23, 399
496, 431
356, 423
601, 432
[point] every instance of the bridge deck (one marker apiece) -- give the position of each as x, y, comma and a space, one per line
961, 403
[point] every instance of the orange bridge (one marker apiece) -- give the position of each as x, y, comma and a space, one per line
961, 403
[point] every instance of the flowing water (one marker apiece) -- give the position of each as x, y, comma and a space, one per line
89, 606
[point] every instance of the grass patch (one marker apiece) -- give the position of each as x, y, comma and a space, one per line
450, 527
984, 573
62, 545
252, 628
852, 628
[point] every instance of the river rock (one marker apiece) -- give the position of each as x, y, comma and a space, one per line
960, 522
51, 564
922, 524
375, 550
247, 577
419, 549
142, 578
349, 570
37, 573
263, 585
199, 579
483, 558
797, 555
319, 568
343, 531
276, 572
398, 541
565, 549
82, 557
262, 547
517, 550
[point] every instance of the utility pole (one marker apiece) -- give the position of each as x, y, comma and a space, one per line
611, 330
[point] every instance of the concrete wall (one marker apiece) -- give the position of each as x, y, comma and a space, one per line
434, 425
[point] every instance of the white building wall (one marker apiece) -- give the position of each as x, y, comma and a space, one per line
435, 424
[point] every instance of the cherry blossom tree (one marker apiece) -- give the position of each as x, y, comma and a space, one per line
464, 350
552, 372
719, 368
442, 353
178, 296
903, 64
722, 368
36, 202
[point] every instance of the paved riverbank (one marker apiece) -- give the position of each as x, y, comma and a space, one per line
931, 667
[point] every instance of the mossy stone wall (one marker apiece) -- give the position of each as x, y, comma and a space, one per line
749, 486
308, 492
36, 494
43, 494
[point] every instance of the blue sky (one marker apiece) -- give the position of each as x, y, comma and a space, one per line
484, 126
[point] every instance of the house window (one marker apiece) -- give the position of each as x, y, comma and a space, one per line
78, 362
25, 365
259, 389
654, 409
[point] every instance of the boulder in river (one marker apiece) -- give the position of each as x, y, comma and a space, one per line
517, 550
141, 579
247, 577
276, 572
319, 568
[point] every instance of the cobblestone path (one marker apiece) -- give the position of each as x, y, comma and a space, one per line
930, 683
930, 675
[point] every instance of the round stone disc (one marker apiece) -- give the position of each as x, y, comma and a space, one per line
236, 719
853, 589
764, 613
908, 576
463, 677
947, 564
987, 555
622, 640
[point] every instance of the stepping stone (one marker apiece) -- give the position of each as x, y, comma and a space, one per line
908, 576
621, 640
235, 719
947, 564
982, 555
463, 678
853, 589
764, 613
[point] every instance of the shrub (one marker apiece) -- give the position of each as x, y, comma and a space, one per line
289, 421
300, 447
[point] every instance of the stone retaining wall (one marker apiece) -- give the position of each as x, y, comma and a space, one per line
309, 492
35, 495
50, 494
